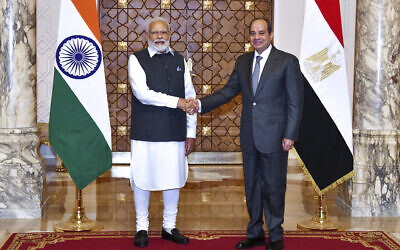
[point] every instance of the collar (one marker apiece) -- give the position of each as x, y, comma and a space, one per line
265, 53
153, 51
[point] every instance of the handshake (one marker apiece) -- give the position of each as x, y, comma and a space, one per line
190, 105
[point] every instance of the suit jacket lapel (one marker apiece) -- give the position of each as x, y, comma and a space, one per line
267, 68
249, 70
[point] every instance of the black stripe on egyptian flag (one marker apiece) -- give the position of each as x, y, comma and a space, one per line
320, 145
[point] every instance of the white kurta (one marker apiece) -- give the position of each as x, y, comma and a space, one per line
159, 165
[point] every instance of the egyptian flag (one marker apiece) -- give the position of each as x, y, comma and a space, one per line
325, 144
79, 124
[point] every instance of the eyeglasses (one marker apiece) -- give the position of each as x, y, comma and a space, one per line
162, 32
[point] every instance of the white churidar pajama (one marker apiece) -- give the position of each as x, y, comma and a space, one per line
158, 165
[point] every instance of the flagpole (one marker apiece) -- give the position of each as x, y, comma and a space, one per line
320, 221
78, 221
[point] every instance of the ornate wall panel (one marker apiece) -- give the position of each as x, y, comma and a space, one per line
212, 33
46, 34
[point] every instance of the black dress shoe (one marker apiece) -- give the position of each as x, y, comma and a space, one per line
275, 245
250, 242
174, 236
141, 239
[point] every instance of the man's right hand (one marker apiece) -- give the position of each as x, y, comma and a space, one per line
190, 105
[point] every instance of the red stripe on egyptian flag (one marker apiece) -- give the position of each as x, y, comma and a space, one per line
330, 9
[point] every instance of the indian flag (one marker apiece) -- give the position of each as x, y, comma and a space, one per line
79, 124
326, 140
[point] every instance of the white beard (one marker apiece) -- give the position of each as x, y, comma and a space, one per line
159, 48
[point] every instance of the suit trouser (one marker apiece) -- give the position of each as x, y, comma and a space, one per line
265, 187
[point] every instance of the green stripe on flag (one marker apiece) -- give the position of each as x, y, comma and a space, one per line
75, 136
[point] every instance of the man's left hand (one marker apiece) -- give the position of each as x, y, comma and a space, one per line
287, 144
190, 143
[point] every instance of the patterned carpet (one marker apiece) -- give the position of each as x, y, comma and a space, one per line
217, 240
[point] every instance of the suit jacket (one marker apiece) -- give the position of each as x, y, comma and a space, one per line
274, 112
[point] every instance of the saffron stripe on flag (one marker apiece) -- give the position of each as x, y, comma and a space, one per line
87, 9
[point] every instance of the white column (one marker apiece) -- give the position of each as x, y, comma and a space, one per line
22, 174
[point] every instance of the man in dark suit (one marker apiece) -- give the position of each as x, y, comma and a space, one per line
272, 95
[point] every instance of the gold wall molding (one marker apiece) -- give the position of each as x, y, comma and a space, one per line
122, 88
249, 5
207, 5
122, 46
207, 47
122, 130
206, 89
248, 47
206, 131
122, 3
165, 4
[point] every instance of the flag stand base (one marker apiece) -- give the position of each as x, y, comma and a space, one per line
78, 222
320, 221
60, 166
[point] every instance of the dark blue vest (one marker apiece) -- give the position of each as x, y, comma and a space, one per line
165, 74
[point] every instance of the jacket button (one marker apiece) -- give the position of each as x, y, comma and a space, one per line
169, 78
170, 90
254, 104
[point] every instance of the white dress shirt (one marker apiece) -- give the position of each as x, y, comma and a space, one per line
159, 165
264, 55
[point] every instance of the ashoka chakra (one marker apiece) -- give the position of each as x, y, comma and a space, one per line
78, 56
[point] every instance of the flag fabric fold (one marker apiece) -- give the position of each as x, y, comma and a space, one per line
79, 126
325, 144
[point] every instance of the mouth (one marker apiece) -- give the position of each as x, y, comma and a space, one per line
159, 42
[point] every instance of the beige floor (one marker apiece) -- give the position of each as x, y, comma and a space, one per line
213, 198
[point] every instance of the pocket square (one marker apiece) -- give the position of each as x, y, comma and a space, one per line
178, 68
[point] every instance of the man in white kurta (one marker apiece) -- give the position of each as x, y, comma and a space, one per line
159, 165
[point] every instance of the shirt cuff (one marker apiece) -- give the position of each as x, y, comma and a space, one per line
191, 133
199, 105
174, 102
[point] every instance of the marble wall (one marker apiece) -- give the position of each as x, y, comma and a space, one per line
378, 59
374, 187
21, 169
22, 174
17, 47
374, 190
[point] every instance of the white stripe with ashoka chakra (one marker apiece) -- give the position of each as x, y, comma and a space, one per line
90, 91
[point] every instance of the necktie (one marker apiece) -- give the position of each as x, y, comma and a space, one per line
256, 74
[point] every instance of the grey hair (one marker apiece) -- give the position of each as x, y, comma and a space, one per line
156, 19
